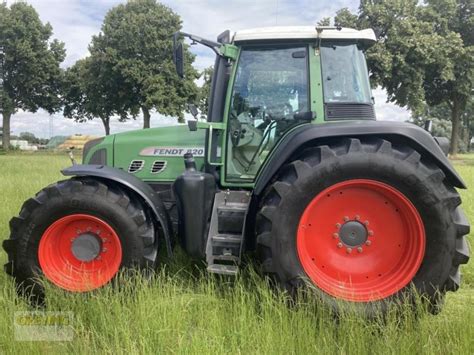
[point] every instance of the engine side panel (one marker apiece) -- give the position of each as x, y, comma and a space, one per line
158, 152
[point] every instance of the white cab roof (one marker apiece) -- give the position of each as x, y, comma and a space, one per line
304, 32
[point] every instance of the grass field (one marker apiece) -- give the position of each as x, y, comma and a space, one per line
184, 310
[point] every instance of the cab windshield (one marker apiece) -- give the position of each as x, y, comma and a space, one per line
345, 76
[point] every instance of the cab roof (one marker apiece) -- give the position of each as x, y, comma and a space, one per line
304, 32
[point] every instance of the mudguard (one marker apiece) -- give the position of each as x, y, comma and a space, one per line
132, 183
396, 132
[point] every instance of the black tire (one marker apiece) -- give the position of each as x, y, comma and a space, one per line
397, 165
122, 211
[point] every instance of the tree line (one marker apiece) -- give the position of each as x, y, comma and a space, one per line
422, 58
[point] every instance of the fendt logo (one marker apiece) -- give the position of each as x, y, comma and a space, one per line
172, 151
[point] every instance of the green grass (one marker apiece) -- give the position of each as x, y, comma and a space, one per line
184, 310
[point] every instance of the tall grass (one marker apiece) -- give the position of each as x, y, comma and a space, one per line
182, 309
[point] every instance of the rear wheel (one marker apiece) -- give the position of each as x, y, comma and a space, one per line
367, 255
366, 223
78, 234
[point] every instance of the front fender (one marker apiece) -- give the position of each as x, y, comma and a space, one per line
131, 183
310, 134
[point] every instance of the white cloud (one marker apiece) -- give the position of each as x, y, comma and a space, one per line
75, 21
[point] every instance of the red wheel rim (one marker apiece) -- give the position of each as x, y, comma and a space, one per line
361, 240
59, 260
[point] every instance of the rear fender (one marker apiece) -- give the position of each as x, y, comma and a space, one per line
396, 132
130, 183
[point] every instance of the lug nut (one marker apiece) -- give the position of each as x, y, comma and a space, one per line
89, 229
78, 231
98, 257
368, 242
335, 235
338, 225
359, 249
339, 245
346, 218
371, 232
366, 223
349, 250
98, 232
357, 217
104, 240
104, 250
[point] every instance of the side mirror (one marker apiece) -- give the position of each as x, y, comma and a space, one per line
178, 55
194, 111
192, 125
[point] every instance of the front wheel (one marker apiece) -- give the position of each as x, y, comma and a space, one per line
366, 223
78, 234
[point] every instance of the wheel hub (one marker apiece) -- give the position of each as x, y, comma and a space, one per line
353, 234
86, 247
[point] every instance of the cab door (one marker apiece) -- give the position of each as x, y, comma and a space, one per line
269, 96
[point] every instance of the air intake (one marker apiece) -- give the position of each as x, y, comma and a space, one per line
158, 166
348, 111
136, 165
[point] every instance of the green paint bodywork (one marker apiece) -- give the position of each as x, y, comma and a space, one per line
123, 148
316, 84
229, 51
107, 144
129, 145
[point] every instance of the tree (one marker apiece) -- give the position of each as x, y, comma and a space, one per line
325, 21
423, 53
136, 46
28, 136
31, 72
86, 93
31, 138
91, 90
469, 123
442, 126
345, 18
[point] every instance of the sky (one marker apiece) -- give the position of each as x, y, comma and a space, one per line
76, 21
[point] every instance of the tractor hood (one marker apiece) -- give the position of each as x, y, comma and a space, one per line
154, 154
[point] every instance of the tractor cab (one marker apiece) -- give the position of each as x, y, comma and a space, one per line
268, 81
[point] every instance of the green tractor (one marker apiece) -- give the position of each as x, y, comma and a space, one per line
290, 167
